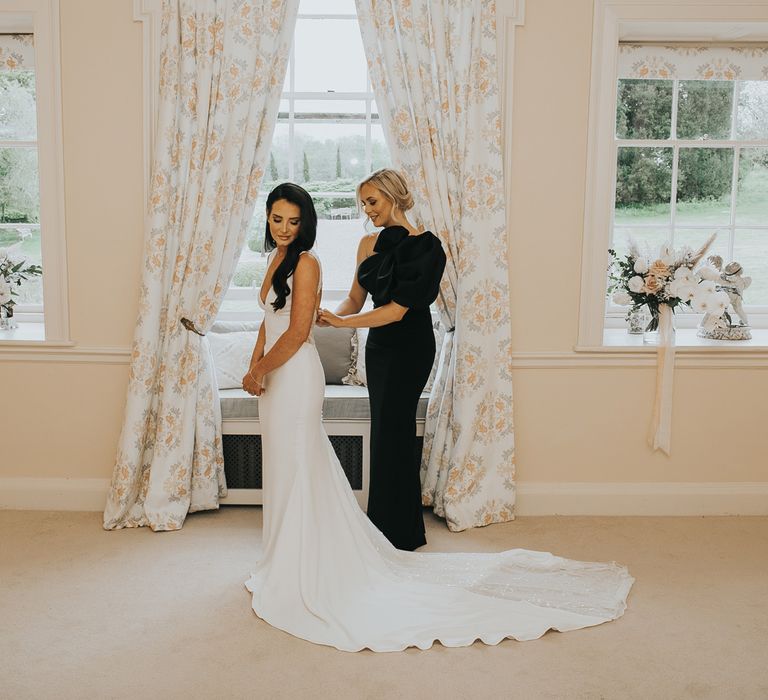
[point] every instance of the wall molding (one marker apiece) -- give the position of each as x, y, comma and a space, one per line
652, 498
586, 358
149, 13
61, 354
533, 498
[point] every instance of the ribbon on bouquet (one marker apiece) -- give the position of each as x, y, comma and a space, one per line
661, 423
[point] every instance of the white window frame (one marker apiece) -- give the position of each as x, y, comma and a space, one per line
629, 20
41, 18
330, 295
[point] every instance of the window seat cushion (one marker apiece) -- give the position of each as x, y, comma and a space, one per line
341, 403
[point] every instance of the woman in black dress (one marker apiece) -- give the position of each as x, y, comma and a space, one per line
401, 268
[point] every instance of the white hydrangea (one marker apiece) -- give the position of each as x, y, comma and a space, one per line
636, 284
706, 287
622, 298
641, 266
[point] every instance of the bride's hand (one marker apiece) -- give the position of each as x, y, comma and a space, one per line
253, 384
319, 319
329, 318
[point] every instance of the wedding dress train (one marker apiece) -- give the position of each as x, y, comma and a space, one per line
327, 575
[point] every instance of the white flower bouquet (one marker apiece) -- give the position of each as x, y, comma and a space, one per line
12, 274
672, 278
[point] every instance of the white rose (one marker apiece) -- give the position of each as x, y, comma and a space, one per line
622, 298
636, 284
5, 292
673, 288
641, 266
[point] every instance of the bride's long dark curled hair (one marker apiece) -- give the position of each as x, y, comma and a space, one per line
304, 241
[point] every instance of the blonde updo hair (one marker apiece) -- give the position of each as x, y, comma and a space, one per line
392, 185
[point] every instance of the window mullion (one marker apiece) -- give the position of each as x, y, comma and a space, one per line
735, 173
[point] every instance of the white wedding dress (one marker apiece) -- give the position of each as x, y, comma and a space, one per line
327, 575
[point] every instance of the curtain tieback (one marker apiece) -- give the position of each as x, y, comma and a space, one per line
451, 329
190, 326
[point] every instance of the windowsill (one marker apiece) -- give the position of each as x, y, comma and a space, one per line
686, 340
29, 334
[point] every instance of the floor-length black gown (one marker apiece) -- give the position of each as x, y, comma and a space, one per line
405, 269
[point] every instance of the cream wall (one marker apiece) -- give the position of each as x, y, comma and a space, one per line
575, 422
62, 418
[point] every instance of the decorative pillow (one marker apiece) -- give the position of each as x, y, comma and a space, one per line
357, 375
231, 356
232, 344
334, 345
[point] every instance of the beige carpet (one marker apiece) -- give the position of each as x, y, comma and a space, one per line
134, 614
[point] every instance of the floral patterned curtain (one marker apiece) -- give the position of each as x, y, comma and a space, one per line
17, 52
692, 62
221, 72
434, 73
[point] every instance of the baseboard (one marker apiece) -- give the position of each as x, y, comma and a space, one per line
533, 498
653, 498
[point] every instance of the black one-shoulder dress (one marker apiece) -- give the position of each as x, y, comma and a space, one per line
398, 359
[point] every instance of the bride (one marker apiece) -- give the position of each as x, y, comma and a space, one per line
326, 574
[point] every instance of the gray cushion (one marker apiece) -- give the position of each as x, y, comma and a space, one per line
334, 345
341, 403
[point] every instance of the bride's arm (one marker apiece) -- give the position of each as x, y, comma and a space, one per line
306, 278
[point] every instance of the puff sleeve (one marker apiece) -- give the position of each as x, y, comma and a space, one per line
419, 262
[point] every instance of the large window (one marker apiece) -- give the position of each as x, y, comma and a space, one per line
692, 159
328, 137
32, 167
19, 178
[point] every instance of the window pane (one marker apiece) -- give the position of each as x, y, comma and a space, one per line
379, 151
277, 169
23, 243
329, 107
648, 240
18, 119
252, 264
752, 195
752, 110
704, 185
325, 153
336, 245
19, 190
643, 185
696, 238
750, 248
704, 109
329, 56
644, 109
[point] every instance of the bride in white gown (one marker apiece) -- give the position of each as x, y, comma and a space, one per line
326, 574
